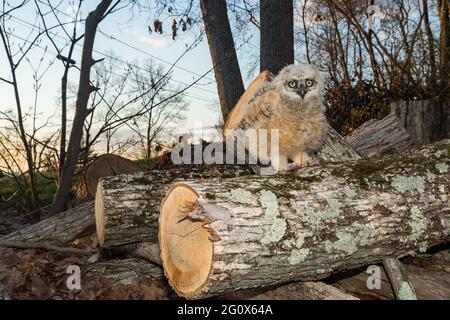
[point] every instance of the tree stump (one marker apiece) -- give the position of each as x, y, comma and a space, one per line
376, 137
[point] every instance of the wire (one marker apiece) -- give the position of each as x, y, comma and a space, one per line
118, 75
200, 98
130, 46
24, 23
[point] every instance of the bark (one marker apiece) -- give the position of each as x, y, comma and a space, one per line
429, 284
432, 78
276, 34
403, 289
223, 53
260, 231
59, 229
308, 290
125, 271
127, 206
424, 120
81, 110
377, 137
444, 49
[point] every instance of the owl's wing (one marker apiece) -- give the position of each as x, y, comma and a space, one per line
261, 108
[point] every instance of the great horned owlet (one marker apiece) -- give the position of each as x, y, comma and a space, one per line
292, 102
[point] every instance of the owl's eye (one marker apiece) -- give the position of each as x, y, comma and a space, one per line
292, 84
309, 82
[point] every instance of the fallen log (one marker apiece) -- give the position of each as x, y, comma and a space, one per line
376, 137
257, 231
127, 206
58, 229
308, 290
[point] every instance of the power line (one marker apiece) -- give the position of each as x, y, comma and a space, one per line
21, 21
131, 46
134, 80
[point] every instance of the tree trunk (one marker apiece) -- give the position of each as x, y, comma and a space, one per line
277, 34
59, 229
127, 206
260, 231
223, 53
432, 78
377, 137
424, 120
81, 110
444, 48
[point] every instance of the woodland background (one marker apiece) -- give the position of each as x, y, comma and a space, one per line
404, 56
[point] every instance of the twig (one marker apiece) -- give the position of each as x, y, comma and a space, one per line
43, 245
398, 277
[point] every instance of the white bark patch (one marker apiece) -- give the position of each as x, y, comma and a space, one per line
408, 183
278, 226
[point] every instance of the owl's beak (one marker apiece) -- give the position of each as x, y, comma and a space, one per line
302, 90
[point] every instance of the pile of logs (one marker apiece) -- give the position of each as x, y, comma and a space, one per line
220, 229
216, 229
223, 228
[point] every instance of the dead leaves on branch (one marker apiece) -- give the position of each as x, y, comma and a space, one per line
182, 23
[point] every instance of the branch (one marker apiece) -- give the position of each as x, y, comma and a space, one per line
43, 245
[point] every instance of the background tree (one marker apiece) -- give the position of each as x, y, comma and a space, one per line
276, 34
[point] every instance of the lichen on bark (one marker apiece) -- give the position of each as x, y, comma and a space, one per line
276, 230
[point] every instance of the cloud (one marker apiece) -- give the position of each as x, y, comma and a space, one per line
157, 42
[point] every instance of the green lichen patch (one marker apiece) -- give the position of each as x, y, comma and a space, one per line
349, 242
317, 219
298, 255
365, 235
406, 292
349, 192
346, 243
408, 184
418, 224
430, 177
240, 195
446, 226
277, 229
442, 167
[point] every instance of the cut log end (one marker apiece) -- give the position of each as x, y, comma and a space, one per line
105, 166
186, 247
100, 214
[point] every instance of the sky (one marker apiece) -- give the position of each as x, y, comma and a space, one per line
130, 31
